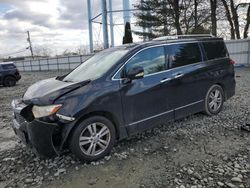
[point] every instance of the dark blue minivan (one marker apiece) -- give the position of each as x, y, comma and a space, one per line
122, 91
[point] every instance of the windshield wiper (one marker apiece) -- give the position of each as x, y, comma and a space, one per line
67, 81
77, 83
61, 77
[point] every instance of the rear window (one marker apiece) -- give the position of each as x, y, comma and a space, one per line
184, 54
9, 66
215, 49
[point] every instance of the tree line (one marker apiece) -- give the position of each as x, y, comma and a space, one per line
170, 17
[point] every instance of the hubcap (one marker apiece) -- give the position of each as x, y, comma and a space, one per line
215, 100
94, 139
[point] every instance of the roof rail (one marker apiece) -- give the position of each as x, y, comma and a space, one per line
173, 37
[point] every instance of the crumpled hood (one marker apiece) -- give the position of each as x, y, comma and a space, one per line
47, 91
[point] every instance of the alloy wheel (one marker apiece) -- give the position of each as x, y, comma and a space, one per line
215, 100
94, 139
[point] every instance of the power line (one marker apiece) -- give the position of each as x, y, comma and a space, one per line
17, 52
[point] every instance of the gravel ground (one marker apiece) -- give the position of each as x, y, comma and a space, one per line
198, 151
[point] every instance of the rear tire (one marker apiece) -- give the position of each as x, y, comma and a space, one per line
9, 81
214, 100
93, 139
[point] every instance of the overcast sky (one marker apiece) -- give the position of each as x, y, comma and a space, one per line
56, 24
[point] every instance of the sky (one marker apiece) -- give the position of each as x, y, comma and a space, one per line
54, 24
57, 25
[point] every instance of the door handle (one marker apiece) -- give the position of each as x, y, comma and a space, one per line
178, 75
166, 80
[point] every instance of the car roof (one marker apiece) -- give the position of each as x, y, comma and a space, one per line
6, 63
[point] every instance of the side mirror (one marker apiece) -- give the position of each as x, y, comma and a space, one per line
135, 73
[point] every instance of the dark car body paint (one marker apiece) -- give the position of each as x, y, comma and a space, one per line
47, 91
13, 72
134, 106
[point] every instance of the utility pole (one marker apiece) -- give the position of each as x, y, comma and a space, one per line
30, 44
90, 27
126, 11
111, 24
105, 24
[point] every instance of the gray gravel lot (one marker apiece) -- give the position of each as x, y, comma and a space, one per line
198, 151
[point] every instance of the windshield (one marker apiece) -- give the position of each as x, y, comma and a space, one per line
95, 66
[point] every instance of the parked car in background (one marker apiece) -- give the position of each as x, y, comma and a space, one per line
122, 91
9, 74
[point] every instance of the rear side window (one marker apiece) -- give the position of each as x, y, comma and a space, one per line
215, 49
184, 54
152, 60
9, 66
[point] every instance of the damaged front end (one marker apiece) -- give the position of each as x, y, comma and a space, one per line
46, 136
37, 117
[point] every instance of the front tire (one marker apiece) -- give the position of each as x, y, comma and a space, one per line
93, 139
214, 100
9, 81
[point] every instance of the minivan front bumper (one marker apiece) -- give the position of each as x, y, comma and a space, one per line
39, 135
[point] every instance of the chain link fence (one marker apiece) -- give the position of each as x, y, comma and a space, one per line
239, 51
56, 63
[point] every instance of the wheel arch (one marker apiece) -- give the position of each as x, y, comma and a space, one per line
223, 88
105, 114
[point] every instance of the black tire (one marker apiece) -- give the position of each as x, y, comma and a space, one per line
214, 110
9, 81
81, 132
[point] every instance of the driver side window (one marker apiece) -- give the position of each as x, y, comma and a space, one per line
152, 60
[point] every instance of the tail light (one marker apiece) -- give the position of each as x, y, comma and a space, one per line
232, 62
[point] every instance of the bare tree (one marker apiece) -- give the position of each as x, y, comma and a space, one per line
42, 51
235, 18
195, 13
195, 16
82, 50
232, 15
175, 4
213, 6
246, 28
229, 18
68, 52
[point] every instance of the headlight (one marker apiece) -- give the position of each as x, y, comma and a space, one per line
42, 111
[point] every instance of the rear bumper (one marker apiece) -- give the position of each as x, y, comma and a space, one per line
18, 77
230, 91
